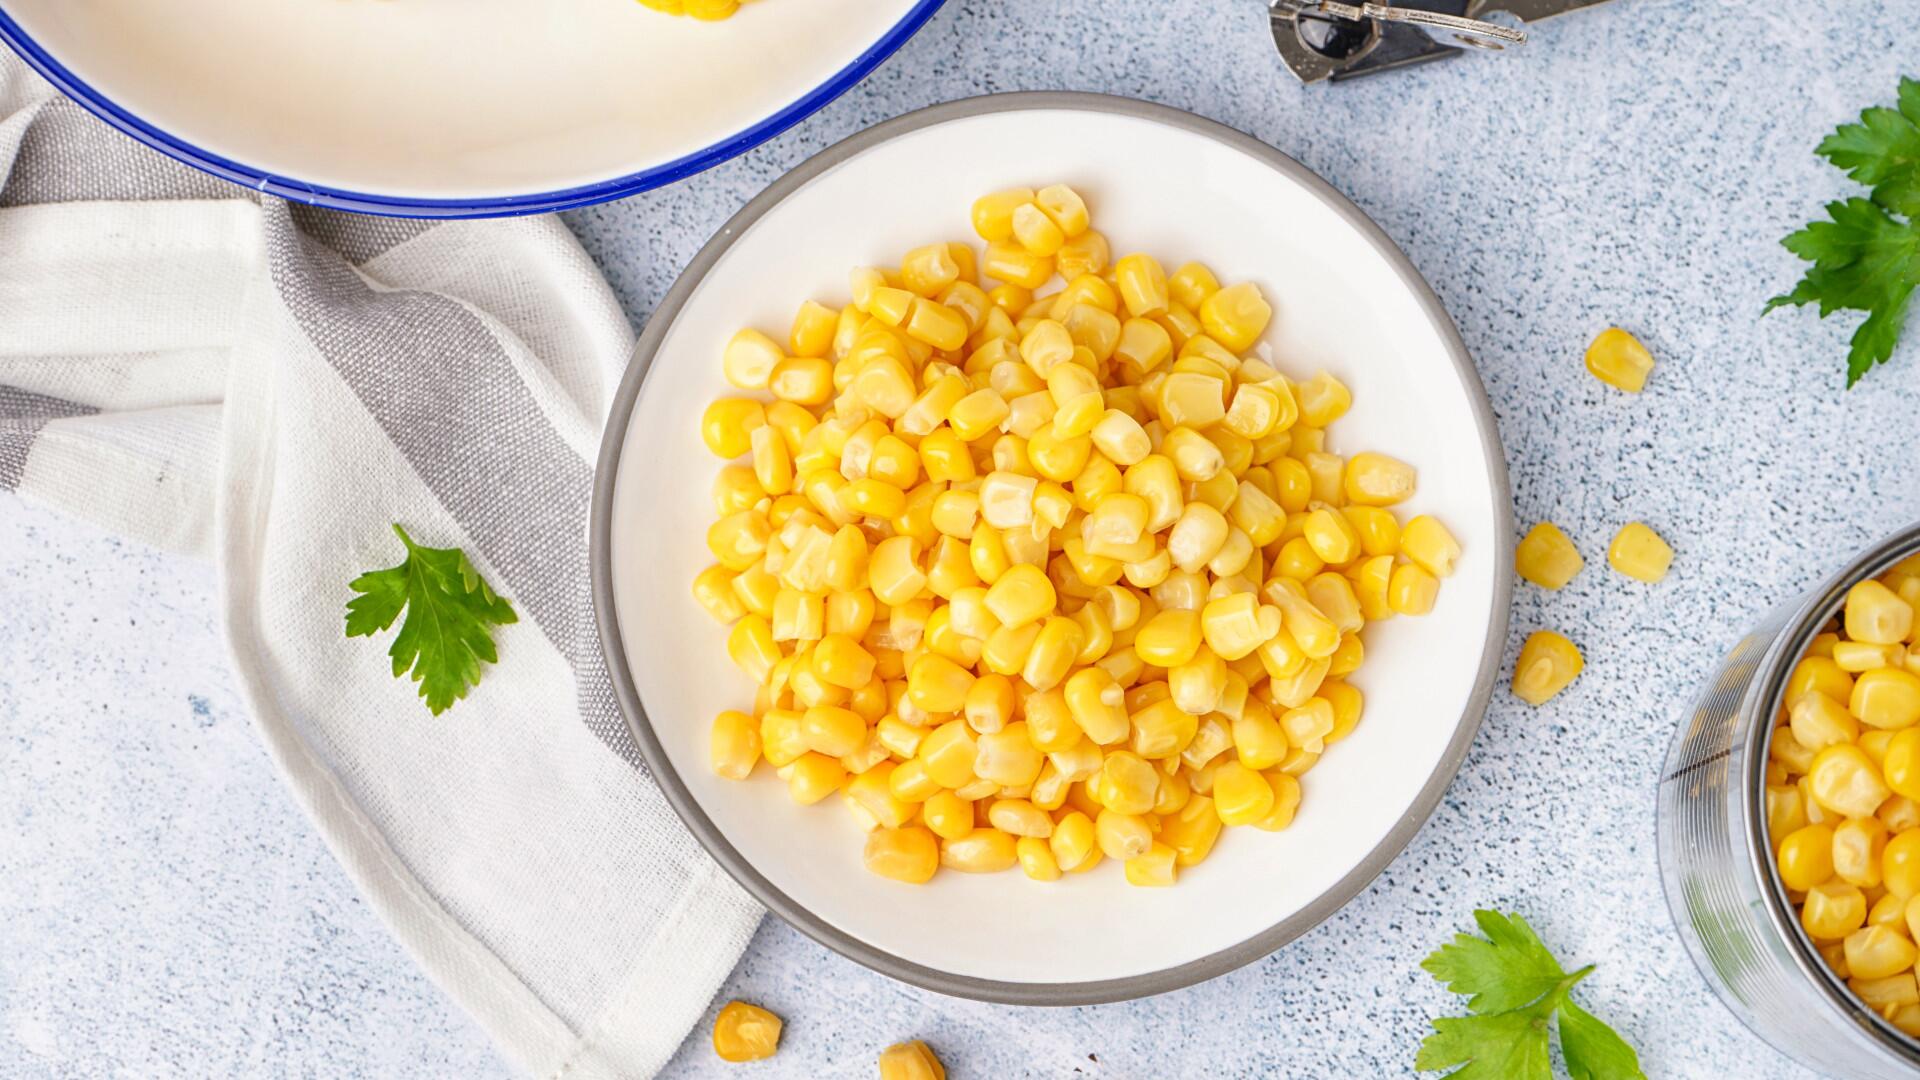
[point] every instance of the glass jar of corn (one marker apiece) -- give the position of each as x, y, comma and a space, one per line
1790, 822
1043, 576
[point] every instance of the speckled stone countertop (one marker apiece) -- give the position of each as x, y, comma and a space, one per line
166, 911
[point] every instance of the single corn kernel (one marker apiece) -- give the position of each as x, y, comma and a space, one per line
993, 214
913, 1060
1333, 538
803, 380
748, 359
1121, 438
1241, 796
1833, 910
1889, 994
728, 424
1548, 662
1006, 500
1142, 284
1121, 835
1192, 284
1429, 545
1074, 840
1638, 552
1234, 626
1901, 766
1860, 656
1618, 359
744, 1032
1858, 844
1323, 399
1170, 638
1052, 654
1818, 721
735, 745
1191, 831
949, 754
1036, 231
1876, 614
938, 685
1378, 480
1020, 596
814, 776
1886, 698
1845, 780
1087, 253
1020, 818
1805, 858
1412, 591
909, 854
1547, 557
1236, 316
982, 851
1900, 864
1193, 399
1007, 757
948, 815
1154, 868
1065, 207
813, 329
1876, 952
1818, 673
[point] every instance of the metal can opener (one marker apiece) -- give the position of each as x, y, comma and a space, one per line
1328, 39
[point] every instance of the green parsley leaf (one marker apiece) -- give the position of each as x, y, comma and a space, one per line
1508, 968
1510, 1045
1864, 260
1515, 989
450, 615
1866, 257
1882, 151
1593, 1050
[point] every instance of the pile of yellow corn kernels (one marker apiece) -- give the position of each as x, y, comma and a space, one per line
1046, 577
1843, 793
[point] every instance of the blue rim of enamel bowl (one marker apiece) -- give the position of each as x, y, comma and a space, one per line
395, 206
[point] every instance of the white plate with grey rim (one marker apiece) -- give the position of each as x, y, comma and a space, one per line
1161, 181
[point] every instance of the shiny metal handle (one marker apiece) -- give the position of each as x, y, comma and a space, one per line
1471, 31
1469, 28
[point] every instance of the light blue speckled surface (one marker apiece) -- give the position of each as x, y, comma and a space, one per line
166, 912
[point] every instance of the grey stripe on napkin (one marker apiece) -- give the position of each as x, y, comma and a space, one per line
426, 368
442, 388
22, 414
65, 155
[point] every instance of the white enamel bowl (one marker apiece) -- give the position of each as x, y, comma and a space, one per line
453, 107
1345, 299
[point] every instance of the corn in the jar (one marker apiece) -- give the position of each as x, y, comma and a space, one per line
1843, 793
1033, 566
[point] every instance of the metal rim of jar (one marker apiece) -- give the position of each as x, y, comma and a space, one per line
1765, 694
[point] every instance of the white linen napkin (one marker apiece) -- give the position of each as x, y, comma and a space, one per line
271, 386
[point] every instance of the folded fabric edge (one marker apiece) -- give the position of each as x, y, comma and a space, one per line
523, 1027
695, 948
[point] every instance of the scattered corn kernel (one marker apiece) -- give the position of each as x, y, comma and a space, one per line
1547, 557
744, 1032
1618, 359
1548, 662
1638, 552
910, 1061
